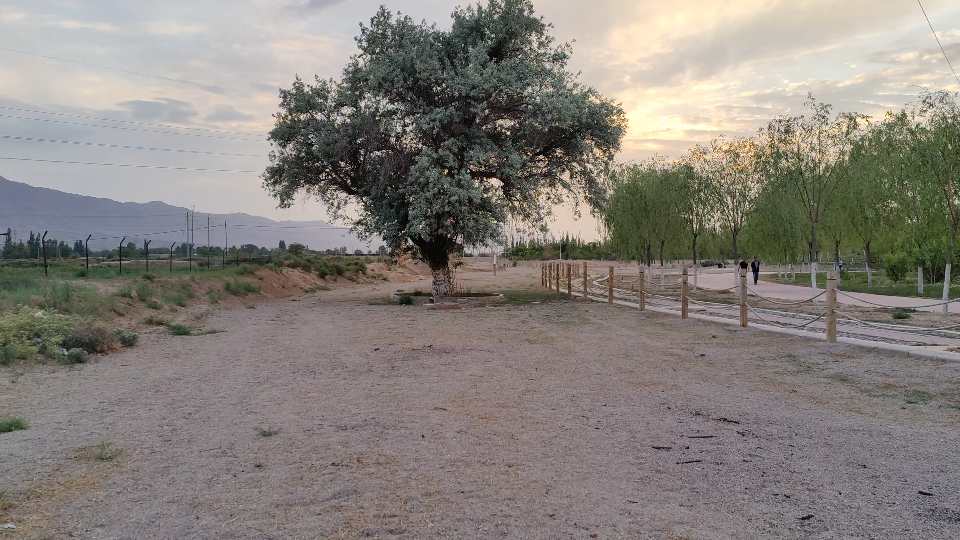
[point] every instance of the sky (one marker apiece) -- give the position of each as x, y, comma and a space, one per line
684, 72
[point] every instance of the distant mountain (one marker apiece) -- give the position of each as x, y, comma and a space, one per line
70, 217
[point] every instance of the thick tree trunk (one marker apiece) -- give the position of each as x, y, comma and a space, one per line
694, 262
442, 281
946, 275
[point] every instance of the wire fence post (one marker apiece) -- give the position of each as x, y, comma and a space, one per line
43, 244
831, 308
569, 280
610, 286
120, 254
146, 255
642, 293
684, 300
743, 297
171, 256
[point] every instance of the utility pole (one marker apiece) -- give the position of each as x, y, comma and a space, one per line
86, 251
224, 244
208, 241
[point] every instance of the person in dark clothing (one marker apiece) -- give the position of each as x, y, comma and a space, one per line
755, 268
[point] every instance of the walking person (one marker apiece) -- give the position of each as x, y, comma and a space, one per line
755, 268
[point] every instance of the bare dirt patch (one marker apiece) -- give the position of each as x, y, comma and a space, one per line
548, 419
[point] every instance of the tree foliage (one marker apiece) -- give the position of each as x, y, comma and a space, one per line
434, 138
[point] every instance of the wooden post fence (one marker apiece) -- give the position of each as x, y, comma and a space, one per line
743, 297
610, 287
642, 293
556, 276
684, 304
569, 280
586, 292
831, 308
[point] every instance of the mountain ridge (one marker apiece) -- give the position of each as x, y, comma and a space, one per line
69, 217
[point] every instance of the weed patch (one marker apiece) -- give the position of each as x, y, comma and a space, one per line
268, 432
91, 337
237, 287
127, 339
180, 330
156, 320
12, 423
916, 397
76, 356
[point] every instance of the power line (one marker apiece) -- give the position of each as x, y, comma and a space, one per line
129, 122
104, 145
127, 128
935, 36
127, 166
127, 71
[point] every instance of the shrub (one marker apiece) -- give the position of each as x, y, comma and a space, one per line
153, 304
901, 315
126, 291
75, 356
240, 288
176, 298
268, 432
148, 276
9, 354
180, 330
897, 265
245, 270
155, 320
81, 273
405, 300
105, 451
213, 297
91, 337
35, 332
145, 292
12, 423
127, 339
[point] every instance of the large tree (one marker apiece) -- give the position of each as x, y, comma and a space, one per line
434, 138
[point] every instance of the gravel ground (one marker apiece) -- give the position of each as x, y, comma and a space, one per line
523, 420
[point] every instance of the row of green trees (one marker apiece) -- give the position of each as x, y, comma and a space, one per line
803, 187
567, 247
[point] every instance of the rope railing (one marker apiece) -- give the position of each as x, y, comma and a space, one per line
941, 303
795, 303
783, 324
901, 327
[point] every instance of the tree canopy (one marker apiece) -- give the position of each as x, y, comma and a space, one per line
433, 139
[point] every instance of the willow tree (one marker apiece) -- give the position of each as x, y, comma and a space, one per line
736, 181
806, 155
433, 139
936, 138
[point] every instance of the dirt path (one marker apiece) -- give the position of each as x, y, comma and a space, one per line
547, 420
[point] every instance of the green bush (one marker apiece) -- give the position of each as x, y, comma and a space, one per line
897, 265
179, 330
125, 291
145, 291
12, 423
176, 298
76, 356
148, 276
245, 270
127, 339
9, 354
155, 320
35, 332
81, 273
237, 287
153, 304
405, 300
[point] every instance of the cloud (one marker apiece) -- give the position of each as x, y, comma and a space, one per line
226, 113
163, 109
83, 25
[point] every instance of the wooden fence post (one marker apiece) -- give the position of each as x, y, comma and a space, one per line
743, 298
684, 305
642, 294
586, 291
831, 308
569, 280
610, 287
557, 270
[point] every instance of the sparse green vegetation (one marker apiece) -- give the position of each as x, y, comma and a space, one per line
245, 270
76, 356
405, 300
267, 432
154, 304
105, 451
179, 330
156, 320
12, 423
914, 397
238, 287
145, 291
126, 291
127, 339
